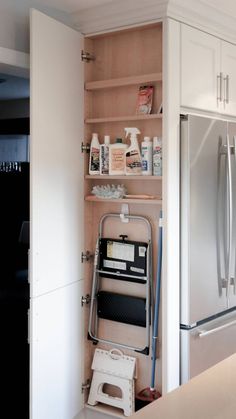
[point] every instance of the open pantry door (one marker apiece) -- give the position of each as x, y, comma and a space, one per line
56, 235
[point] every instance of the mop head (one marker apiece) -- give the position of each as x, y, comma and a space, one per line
146, 396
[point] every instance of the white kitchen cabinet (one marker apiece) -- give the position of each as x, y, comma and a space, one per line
228, 69
62, 206
200, 69
208, 72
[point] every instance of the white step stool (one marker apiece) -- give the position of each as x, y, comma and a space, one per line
112, 367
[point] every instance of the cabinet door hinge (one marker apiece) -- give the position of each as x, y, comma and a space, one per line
87, 57
85, 148
86, 257
85, 386
85, 300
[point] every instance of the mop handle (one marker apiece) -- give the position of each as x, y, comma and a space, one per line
157, 302
158, 284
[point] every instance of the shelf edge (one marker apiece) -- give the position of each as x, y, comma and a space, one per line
124, 81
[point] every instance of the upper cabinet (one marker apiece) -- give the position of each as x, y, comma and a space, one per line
228, 71
200, 66
208, 72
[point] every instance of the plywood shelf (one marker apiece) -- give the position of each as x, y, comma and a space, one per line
122, 118
106, 410
124, 81
122, 177
92, 198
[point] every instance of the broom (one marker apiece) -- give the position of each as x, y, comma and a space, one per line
149, 394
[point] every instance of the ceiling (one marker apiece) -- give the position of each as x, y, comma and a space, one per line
21, 7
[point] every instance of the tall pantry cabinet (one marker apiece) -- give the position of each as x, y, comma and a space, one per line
71, 99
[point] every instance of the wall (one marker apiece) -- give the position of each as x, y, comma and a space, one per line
13, 34
14, 23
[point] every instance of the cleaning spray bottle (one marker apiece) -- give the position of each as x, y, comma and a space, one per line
133, 161
94, 162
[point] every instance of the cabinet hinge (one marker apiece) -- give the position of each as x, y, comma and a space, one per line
85, 148
87, 57
85, 386
85, 300
86, 257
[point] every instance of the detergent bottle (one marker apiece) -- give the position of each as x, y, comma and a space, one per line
133, 161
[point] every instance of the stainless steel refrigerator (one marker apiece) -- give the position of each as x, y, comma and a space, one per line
208, 243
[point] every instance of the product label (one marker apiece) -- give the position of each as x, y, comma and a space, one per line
138, 270
133, 162
146, 154
104, 162
94, 159
114, 264
157, 161
117, 159
142, 251
144, 165
121, 251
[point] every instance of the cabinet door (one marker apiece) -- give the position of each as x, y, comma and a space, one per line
228, 61
55, 155
56, 354
200, 65
56, 236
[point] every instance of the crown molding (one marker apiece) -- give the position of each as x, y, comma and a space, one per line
119, 14
203, 15
124, 13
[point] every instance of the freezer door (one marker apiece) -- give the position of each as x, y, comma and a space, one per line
206, 345
202, 219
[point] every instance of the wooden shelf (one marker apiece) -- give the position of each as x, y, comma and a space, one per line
122, 177
122, 118
106, 410
92, 198
124, 81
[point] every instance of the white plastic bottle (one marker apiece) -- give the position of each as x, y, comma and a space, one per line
146, 155
157, 156
133, 164
104, 156
94, 163
117, 157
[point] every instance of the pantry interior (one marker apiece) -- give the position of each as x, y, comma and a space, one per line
122, 62
64, 217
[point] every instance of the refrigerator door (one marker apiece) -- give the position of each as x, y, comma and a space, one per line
232, 288
206, 345
203, 241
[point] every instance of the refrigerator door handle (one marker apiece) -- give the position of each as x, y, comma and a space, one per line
229, 218
219, 240
203, 333
234, 278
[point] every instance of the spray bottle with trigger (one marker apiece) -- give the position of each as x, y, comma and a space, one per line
133, 161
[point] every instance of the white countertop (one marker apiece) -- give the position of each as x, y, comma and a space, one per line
210, 395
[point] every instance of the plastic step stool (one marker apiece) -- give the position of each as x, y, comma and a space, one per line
115, 368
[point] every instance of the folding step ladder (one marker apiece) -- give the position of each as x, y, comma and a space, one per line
123, 260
